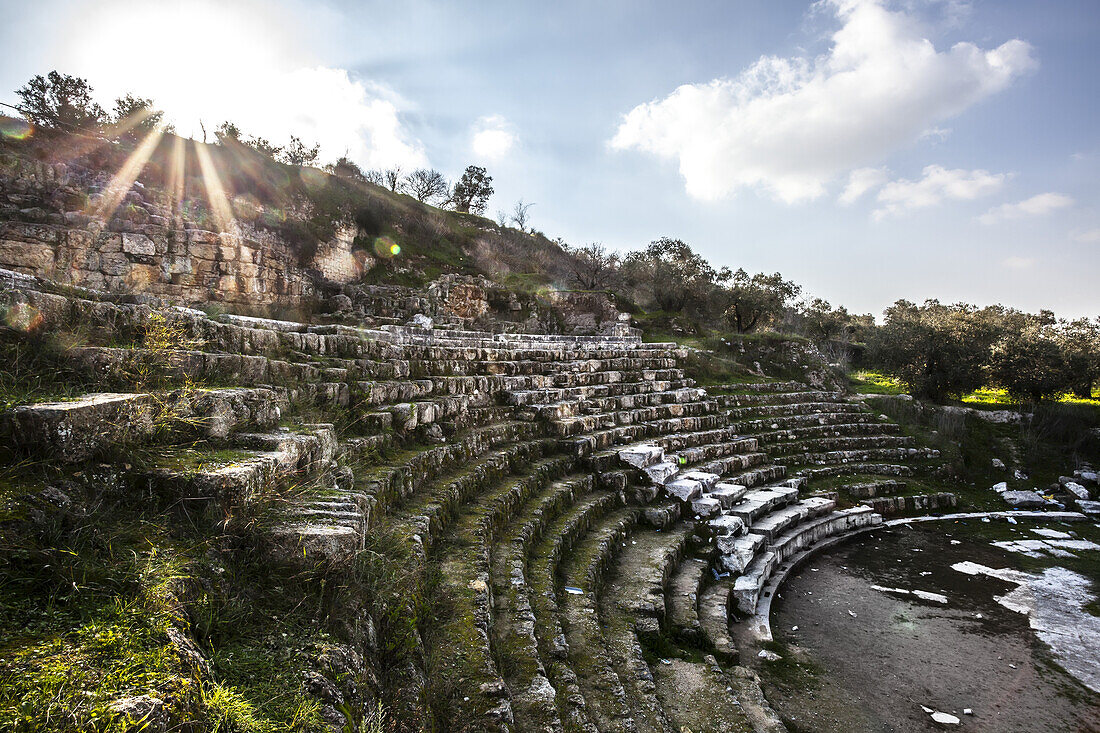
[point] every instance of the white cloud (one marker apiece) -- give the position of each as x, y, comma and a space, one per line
862, 180
1088, 236
936, 185
1039, 205
792, 125
1018, 263
493, 138
242, 65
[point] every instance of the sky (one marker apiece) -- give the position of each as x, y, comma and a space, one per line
870, 150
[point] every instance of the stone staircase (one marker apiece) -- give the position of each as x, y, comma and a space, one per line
588, 506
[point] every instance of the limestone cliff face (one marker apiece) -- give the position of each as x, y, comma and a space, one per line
59, 223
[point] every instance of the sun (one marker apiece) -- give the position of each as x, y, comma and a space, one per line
198, 60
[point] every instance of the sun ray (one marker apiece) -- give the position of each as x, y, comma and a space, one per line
215, 191
177, 174
121, 182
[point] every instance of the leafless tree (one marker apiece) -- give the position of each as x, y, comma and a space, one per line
374, 176
502, 218
393, 179
519, 215
427, 185
594, 268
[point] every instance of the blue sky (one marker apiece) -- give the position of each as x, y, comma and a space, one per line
869, 150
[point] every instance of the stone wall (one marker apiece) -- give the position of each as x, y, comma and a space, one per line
51, 227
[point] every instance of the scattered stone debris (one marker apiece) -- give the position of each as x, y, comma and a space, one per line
1054, 602
922, 594
769, 656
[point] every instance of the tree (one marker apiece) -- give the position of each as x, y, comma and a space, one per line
227, 132
472, 191
937, 350
426, 185
757, 300
137, 116
264, 147
60, 102
519, 215
821, 323
298, 153
374, 176
393, 180
594, 268
671, 274
345, 167
1029, 363
1080, 344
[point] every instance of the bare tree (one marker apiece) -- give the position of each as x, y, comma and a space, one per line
393, 179
375, 176
502, 218
298, 153
519, 215
594, 268
427, 185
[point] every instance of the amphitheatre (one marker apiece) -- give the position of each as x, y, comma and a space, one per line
391, 470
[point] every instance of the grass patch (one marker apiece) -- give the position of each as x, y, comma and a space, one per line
868, 382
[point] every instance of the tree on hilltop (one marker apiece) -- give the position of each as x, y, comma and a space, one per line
671, 274
594, 267
60, 102
137, 117
298, 153
759, 299
472, 191
345, 167
427, 185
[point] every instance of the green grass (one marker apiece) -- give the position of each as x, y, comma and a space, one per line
871, 382
999, 399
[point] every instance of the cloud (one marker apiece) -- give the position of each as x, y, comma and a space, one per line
242, 65
493, 138
936, 185
862, 180
792, 125
1039, 205
1088, 236
1018, 263
346, 114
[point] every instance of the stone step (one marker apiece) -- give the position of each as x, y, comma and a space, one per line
579, 407
683, 599
570, 426
544, 395
428, 515
77, 430
404, 473
543, 561
912, 503
856, 456
764, 412
840, 430
747, 587
633, 608
714, 617
839, 443
583, 568
534, 697
602, 439
789, 422
848, 469
755, 387
237, 477
779, 521
872, 489
465, 548
778, 398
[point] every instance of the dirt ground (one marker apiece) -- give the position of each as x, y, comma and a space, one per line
868, 660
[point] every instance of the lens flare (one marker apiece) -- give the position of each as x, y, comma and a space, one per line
386, 248
22, 317
15, 129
